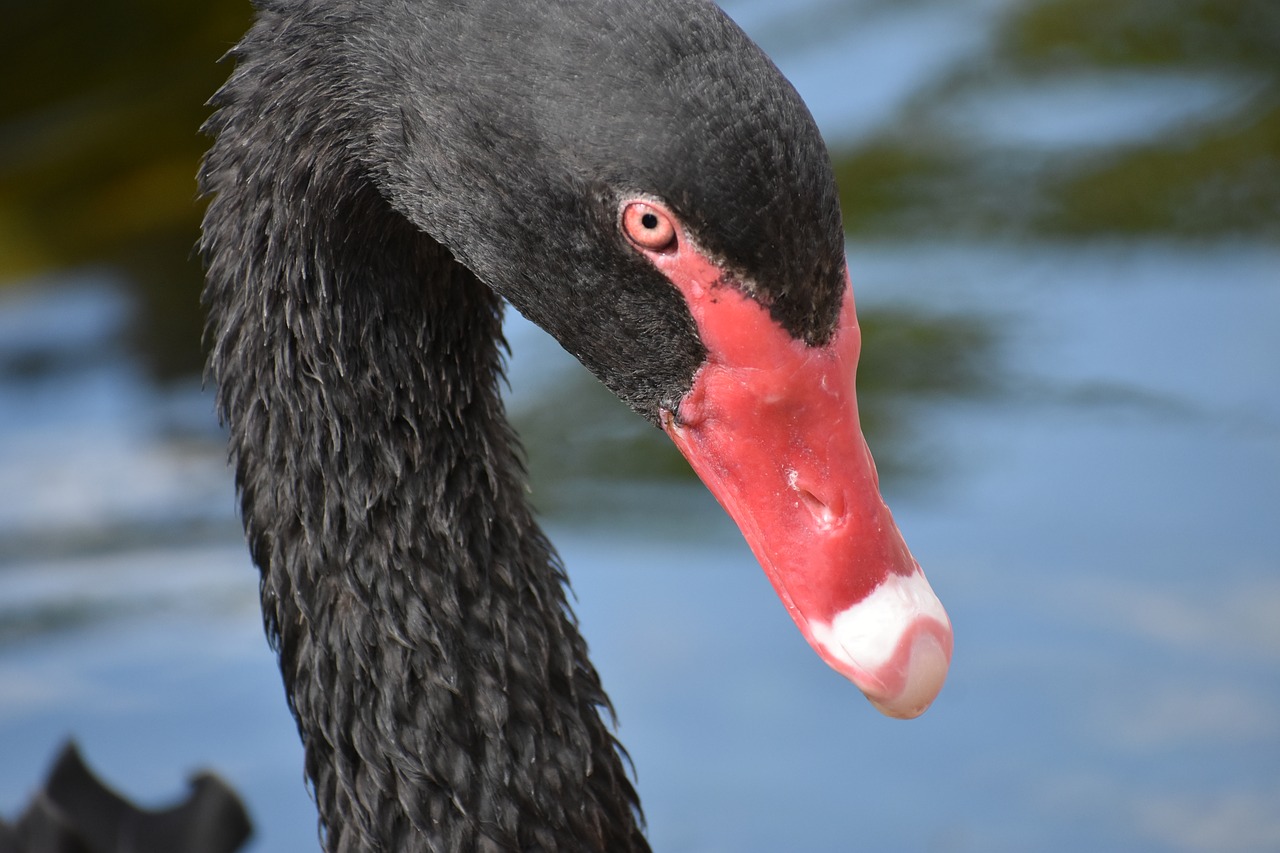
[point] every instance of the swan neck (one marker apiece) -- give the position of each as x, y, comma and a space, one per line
441, 689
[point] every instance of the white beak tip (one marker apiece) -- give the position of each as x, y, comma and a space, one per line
925, 670
895, 645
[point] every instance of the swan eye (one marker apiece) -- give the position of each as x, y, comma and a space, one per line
649, 227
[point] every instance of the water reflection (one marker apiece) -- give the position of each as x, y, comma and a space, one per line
98, 145
1088, 118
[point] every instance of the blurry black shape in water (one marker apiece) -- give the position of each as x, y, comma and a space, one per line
74, 812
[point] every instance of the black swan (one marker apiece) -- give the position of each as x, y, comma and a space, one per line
74, 812
636, 177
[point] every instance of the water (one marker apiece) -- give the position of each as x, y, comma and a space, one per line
1079, 435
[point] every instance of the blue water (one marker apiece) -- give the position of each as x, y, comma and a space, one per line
1102, 521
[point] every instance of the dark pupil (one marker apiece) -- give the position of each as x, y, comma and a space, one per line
649, 220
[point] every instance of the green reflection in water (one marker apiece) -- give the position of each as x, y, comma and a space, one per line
1158, 32
881, 182
1224, 181
1221, 179
1213, 178
99, 142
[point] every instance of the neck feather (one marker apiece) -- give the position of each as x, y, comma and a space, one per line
440, 685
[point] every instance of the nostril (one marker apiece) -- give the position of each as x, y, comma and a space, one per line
827, 510
821, 511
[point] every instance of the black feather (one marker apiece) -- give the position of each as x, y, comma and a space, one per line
383, 174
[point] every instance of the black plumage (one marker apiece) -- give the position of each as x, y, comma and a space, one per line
383, 175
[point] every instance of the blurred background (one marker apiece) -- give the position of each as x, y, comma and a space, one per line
1064, 235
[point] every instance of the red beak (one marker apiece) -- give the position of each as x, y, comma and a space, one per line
771, 426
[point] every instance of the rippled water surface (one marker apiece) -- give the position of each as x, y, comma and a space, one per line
1063, 223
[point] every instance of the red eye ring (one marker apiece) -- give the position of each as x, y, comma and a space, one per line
649, 227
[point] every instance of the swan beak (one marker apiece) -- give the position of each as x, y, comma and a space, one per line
771, 426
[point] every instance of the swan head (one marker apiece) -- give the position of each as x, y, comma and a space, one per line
658, 198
